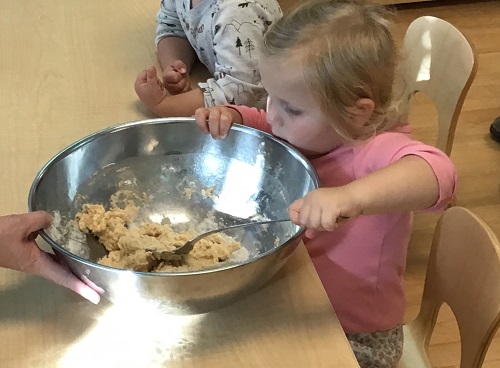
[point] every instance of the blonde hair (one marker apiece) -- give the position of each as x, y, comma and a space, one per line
347, 51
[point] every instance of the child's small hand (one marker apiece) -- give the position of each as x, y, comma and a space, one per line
321, 209
176, 78
215, 120
149, 88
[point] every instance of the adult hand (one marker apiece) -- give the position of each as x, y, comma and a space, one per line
19, 251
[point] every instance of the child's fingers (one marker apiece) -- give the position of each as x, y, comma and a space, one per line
151, 73
172, 77
177, 88
328, 222
201, 117
152, 76
141, 78
215, 120
226, 120
294, 210
179, 66
311, 233
311, 217
160, 84
214, 123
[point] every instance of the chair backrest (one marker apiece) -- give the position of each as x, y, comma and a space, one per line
440, 62
463, 272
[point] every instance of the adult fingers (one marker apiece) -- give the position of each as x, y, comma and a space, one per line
57, 259
46, 267
37, 220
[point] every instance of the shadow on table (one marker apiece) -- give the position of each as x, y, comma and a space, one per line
135, 335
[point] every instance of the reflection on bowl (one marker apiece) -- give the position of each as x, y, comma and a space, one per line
252, 175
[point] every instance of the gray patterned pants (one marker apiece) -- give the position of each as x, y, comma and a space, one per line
381, 349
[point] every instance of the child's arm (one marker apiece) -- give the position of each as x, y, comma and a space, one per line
147, 87
171, 49
171, 41
414, 182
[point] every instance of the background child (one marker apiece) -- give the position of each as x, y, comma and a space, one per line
336, 105
226, 36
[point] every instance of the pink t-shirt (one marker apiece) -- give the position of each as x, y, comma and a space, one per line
361, 262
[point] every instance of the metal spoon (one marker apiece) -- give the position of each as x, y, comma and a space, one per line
188, 246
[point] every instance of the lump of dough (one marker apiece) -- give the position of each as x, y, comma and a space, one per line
146, 247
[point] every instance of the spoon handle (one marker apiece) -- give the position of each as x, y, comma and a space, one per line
188, 246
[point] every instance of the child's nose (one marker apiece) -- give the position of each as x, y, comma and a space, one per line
271, 112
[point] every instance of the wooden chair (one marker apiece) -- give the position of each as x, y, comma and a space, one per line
440, 62
464, 272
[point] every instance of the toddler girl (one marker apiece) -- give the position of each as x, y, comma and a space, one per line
329, 68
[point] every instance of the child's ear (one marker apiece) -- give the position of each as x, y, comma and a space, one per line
364, 110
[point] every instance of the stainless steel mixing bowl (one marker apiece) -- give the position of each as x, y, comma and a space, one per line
254, 176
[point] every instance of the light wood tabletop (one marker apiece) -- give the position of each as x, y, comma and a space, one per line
67, 69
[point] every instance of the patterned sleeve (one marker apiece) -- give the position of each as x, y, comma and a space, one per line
237, 38
167, 21
390, 147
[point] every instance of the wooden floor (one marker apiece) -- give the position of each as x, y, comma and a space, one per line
475, 154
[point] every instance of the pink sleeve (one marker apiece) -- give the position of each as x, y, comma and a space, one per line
253, 118
390, 147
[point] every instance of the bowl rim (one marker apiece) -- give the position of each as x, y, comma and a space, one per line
127, 125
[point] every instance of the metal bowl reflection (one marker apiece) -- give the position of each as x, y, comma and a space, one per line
254, 175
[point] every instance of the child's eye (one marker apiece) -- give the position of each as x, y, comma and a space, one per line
293, 112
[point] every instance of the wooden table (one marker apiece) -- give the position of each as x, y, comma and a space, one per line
67, 68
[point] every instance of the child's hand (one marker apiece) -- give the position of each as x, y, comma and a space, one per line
215, 120
149, 88
322, 209
176, 78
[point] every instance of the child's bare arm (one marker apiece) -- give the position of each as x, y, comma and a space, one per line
409, 184
150, 90
171, 40
174, 48
184, 104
